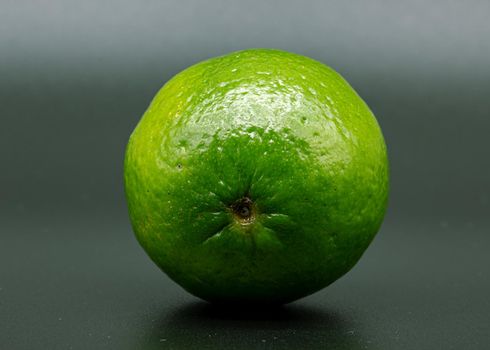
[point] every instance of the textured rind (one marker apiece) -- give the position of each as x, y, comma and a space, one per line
280, 128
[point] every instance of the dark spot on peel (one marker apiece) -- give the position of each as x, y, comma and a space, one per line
243, 209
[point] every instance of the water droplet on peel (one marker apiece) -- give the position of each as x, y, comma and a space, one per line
313, 91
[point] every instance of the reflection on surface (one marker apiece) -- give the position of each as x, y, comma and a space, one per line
201, 325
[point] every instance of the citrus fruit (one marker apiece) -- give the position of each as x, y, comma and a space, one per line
259, 176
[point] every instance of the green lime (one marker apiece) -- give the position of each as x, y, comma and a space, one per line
259, 176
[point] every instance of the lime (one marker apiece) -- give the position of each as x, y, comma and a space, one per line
259, 176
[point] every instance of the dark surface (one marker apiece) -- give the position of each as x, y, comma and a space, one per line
87, 285
75, 79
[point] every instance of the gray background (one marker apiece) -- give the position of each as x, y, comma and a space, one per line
75, 77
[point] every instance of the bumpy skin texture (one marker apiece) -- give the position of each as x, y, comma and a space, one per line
280, 129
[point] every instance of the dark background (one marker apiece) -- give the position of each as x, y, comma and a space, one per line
75, 77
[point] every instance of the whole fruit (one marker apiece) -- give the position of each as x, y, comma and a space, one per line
259, 176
